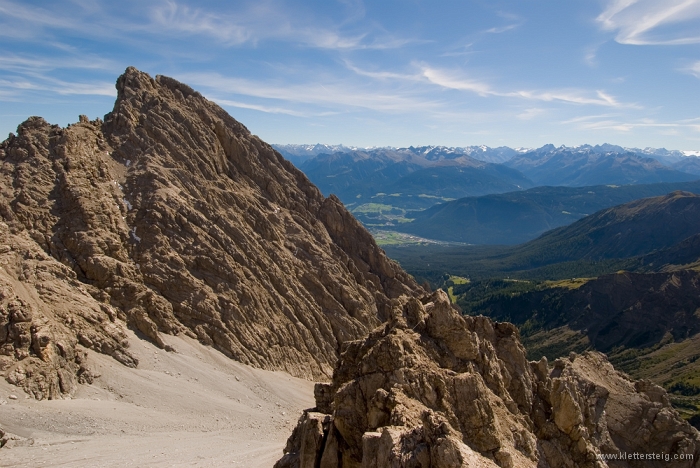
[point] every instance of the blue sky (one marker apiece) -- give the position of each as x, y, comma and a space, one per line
375, 73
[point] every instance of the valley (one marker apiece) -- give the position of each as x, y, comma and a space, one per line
462, 195
623, 281
543, 256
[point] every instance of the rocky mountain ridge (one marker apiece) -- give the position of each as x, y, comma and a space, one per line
435, 389
170, 217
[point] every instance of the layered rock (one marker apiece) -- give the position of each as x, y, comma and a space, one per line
432, 388
170, 217
48, 318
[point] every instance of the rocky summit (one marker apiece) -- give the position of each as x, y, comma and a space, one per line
435, 389
170, 217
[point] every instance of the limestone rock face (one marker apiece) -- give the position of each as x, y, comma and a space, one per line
170, 217
48, 318
431, 388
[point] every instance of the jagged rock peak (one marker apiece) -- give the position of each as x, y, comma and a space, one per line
170, 217
435, 389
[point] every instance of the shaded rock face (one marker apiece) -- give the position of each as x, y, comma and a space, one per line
431, 388
170, 217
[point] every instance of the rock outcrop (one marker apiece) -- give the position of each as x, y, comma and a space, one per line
435, 389
170, 217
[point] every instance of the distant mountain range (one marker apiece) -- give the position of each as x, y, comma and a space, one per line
593, 165
369, 172
388, 188
300, 153
408, 178
297, 154
691, 165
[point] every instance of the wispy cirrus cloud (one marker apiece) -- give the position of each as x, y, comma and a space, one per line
99, 88
460, 83
572, 96
383, 75
35, 63
268, 20
249, 23
694, 69
25, 75
266, 109
612, 122
15, 18
501, 29
335, 96
175, 17
513, 21
446, 79
529, 114
652, 22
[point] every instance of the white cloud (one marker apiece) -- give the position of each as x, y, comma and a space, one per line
590, 55
326, 94
609, 122
268, 20
250, 23
57, 86
172, 16
28, 74
451, 81
572, 96
355, 9
456, 81
694, 69
652, 22
587, 118
15, 18
529, 114
257, 107
501, 29
383, 75
31, 63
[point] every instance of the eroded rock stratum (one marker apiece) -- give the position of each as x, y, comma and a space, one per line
431, 388
170, 217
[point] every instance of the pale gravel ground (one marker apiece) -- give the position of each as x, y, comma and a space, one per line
193, 408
